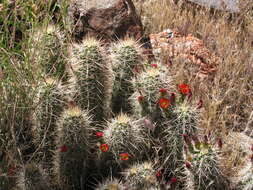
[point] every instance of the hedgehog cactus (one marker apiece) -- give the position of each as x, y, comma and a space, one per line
141, 176
49, 105
93, 78
32, 177
73, 147
113, 184
126, 60
246, 177
202, 166
186, 117
146, 98
49, 51
125, 135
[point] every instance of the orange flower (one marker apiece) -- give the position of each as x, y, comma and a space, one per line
104, 147
124, 156
63, 148
184, 89
164, 103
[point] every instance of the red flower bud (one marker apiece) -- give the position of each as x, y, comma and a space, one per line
200, 104
154, 65
251, 148
220, 143
173, 180
188, 165
99, 134
140, 99
163, 90
158, 174
63, 148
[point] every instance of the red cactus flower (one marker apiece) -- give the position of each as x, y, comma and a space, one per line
173, 180
200, 104
104, 147
220, 143
154, 65
124, 156
63, 148
184, 89
99, 134
188, 165
140, 99
164, 103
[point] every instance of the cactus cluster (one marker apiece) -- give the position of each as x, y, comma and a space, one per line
121, 116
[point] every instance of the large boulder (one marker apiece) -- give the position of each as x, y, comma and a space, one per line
105, 19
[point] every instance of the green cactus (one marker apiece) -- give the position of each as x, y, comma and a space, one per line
92, 75
147, 84
141, 176
112, 184
48, 51
125, 135
32, 177
72, 141
202, 166
48, 107
126, 60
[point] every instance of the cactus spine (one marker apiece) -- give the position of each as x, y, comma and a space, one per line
126, 59
73, 147
32, 177
93, 78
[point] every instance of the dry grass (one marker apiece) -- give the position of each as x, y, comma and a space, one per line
228, 99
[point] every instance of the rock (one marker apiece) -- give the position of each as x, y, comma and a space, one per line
110, 20
190, 48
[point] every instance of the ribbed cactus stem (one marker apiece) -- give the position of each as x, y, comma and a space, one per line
93, 78
32, 177
147, 85
73, 147
49, 52
112, 184
49, 104
126, 61
141, 176
125, 135
204, 171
